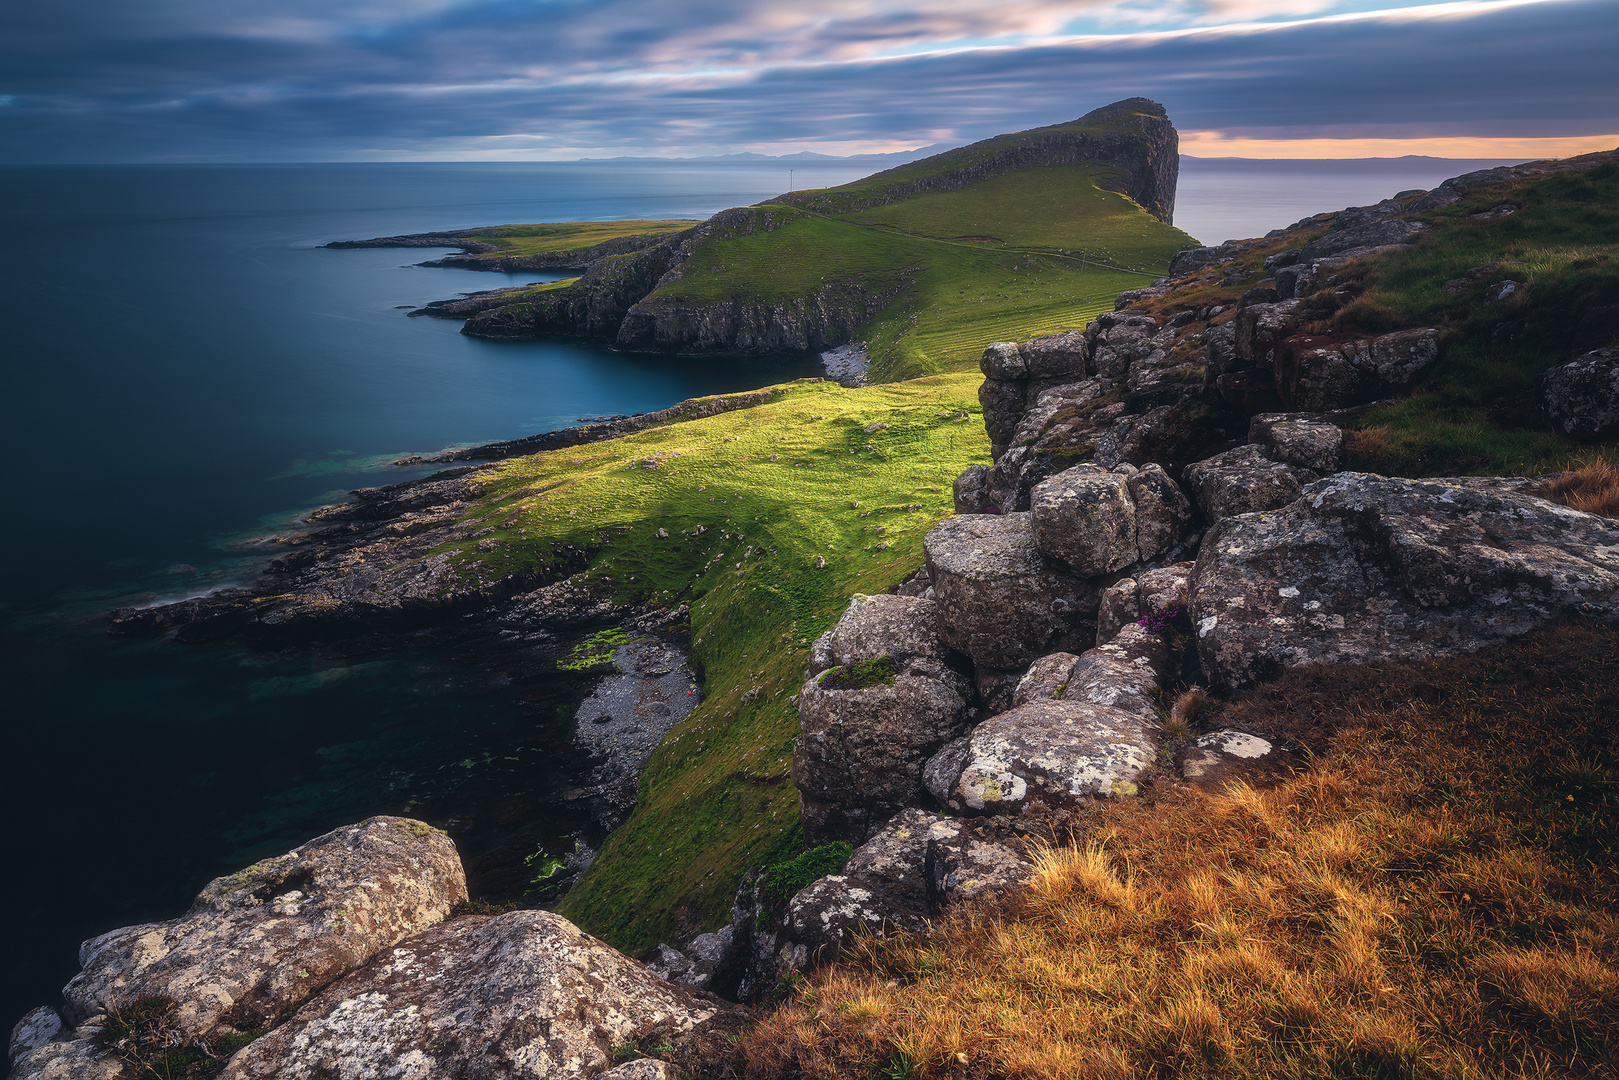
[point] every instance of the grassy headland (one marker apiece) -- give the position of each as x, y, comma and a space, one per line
750, 504
561, 237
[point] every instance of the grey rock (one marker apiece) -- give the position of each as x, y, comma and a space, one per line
1365, 567
1084, 517
1168, 435
1362, 227
36, 1028
1258, 328
1243, 481
968, 490
1046, 679
1004, 361
1314, 374
1221, 758
697, 966
962, 867
1192, 259
995, 687
643, 1069
1582, 396
1399, 357
998, 601
860, 750
1301, 439
1124, 674
1056, 355
1056, 752
525, 994
81, 1056
1052, 406
1121, 605
1163, 511
258, 943
1002, 402
940, 773
1501, 290
1165, 588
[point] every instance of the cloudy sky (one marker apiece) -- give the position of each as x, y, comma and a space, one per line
308, 80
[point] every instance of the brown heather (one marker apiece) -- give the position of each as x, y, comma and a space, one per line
1592, 487
1435, 895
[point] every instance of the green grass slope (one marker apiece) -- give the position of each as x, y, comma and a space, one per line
751, 502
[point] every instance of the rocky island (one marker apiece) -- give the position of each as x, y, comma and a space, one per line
1226, 686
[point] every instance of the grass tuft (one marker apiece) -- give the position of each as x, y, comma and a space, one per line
1592, 487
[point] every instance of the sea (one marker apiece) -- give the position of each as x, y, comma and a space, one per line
187, 371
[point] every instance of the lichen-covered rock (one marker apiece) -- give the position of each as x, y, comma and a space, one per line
1046, 679
697, 966
1242, 481
1366, 567
1221, 758
1167, 434
968, 491
940, 773
1003, 360
1582, 396
1301, 439
79, 1055
36, 1028
1084, 517
879, 700
963, 867
998, 600
1397, 358
259, 942
1056, 752
1318, 373
1121, 605
1163, 511
1124, 674
1165, 588
1056, 355
1256, 330
643, 1069
1117, 341
525, 994
1002, 402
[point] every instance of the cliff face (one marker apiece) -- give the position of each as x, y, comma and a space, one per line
1133, 135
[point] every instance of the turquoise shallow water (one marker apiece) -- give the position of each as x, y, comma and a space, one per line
184, 370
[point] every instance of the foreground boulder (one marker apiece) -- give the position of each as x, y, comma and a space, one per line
1366, 567
1052, 752
1096, 520
1242, 481
261, 941
878, 702
999, 601
525, 994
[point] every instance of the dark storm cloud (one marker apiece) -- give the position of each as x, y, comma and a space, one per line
610, 78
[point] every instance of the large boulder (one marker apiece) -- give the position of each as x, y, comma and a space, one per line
258, 943
1243, 481
1300, 439
999, 602
1052, 752
879, 700
1582, 396
1366, 567
1125, 674
1085, 518
525, 994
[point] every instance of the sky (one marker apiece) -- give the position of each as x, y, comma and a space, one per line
404, 80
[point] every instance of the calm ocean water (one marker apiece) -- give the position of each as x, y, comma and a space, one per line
185, 370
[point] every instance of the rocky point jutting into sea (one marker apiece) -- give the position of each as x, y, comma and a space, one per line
1167, 509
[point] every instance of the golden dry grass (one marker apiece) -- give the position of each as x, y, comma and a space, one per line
1591, 486
1435, 895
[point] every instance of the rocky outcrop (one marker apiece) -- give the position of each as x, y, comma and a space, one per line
525, 994
1365, 567
879, 700
1243, 481
259, 942
1582, 396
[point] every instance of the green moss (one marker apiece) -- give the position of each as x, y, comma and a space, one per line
878, 671
784, 880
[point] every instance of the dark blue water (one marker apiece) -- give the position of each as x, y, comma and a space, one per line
184, 371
